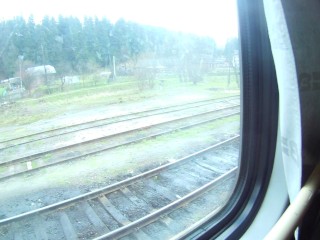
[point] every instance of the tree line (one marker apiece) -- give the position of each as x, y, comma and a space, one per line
75, 46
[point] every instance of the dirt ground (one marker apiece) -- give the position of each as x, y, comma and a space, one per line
70, 179
67, 180
168, 186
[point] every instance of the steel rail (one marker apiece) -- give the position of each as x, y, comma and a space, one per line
105, 119
113, 147
127, 229
35, 155
95, 126
113, 187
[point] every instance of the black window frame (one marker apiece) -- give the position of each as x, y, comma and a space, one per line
259, 125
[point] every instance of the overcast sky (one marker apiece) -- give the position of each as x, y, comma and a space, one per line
215, 18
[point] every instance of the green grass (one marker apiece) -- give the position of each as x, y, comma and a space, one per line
115, 163
47, 157
187, 133
34, 165
3, 170
96, 161
192, 132
124, 90
2, 91
83, 95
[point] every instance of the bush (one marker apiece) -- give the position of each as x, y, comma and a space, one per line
2, 91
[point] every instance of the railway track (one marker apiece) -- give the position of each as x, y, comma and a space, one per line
125, 208
40, 160
13, 142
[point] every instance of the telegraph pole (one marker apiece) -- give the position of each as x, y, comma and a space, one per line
20, 63
45, 69
114, 67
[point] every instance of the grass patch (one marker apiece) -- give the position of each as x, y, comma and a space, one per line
47, 157
125, 90
191, 132
115, 163
3, 170
34, 164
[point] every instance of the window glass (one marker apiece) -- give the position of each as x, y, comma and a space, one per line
118, 119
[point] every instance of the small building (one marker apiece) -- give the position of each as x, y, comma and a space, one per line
235, 59
150, 64
37, 76
11, 89
221, 62
41, 70
71, 79
11, 83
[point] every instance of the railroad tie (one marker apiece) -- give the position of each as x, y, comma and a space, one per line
67, 227
40, 230
160, 189
137, 201
119, 217
17, 236
94, 218
210, 167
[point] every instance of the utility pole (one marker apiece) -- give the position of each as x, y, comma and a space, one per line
113, 38
20, 63
45, 69
114, 67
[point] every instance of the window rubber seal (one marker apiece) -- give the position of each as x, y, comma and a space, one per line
259, 126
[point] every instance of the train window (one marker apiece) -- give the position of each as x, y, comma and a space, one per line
122, 119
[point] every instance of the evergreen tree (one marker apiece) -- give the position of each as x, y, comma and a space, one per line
102, 31
74, 47
8, 50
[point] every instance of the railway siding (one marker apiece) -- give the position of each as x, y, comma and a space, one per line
147, 188
75, 151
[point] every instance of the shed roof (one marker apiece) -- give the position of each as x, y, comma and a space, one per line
40, 70
11, 80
